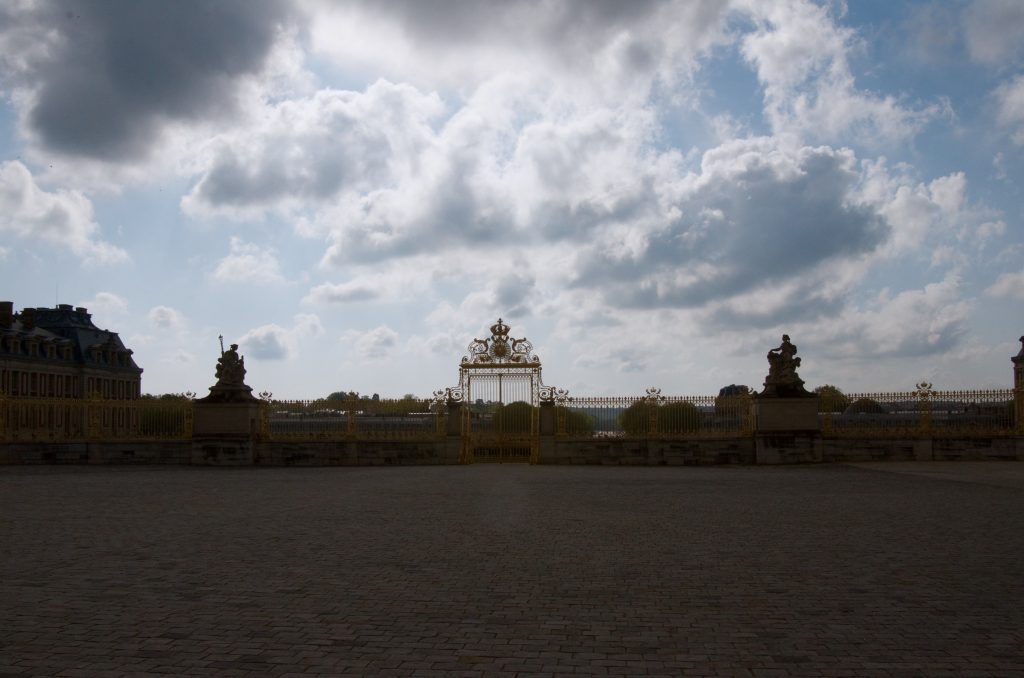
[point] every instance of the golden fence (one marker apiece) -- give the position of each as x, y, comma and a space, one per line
71, 420
655, 416
920, 413
351, 419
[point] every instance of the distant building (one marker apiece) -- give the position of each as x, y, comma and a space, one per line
59, 353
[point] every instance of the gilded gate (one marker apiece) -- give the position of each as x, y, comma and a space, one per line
500, 391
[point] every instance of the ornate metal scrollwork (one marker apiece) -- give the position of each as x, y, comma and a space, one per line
553, 394
448, 395
654, 395
924, 390
499, 349
266, 396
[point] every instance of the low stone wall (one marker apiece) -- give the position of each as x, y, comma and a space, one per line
150, 452
360, 453
641, 452
553, 450
923, 449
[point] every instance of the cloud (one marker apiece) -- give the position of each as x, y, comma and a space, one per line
916, 322
178, 357
1007, 285
105, 307
266, 342
757, 214
165, 318
273, 342
514, 293
372, 344
128, 71
249, 263
1010, 107
61, 218
342, 293
611, 47
992, 29
800, 56
314, 148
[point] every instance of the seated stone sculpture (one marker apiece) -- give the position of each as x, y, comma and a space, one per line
782, 380
231, 368
230, 386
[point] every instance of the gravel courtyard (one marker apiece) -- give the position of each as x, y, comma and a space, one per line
901, 570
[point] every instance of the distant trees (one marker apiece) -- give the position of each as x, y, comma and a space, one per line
865, 406
515, 417
832, 399
576, 422
672, 417
352, 395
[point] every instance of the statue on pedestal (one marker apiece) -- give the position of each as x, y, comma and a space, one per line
230, 386
782, 380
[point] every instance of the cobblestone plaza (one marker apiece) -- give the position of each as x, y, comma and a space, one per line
513, 570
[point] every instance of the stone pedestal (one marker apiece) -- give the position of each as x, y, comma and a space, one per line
223, 434
787, 431
786, 414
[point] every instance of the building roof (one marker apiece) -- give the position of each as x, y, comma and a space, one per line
64, 326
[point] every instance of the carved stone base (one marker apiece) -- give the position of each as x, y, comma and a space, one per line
787, 431
786, 414
229, 394
222, 452
225, 420
788, 448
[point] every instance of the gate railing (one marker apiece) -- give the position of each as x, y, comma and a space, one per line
26, 419
496, 432
922, 413
654, 416
351, 419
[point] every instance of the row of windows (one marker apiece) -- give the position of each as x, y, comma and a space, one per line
47, 385
35, 349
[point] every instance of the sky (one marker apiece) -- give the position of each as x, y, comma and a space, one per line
652, 192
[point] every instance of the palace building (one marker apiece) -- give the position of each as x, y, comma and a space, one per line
59, 353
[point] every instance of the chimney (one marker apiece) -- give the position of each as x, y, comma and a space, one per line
28, 319
6, 313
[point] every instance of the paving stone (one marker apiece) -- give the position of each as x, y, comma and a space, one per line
512, 570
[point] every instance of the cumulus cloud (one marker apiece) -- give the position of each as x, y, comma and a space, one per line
178, 357
615, 49
1010, 103
915, 322
106, 308
372, 344
341, 293
60, 218
165, 318
313, 148
754, 215
514, 293
1008, 285
800, 55
249, 263
127, 71
274, 342
993, 29
266, 342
